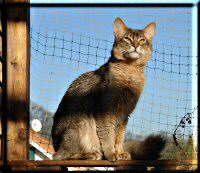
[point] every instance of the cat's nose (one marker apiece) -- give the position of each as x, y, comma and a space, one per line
132, 49
135, 47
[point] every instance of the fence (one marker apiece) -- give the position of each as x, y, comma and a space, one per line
61, 48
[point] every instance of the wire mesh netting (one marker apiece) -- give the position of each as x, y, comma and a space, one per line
67, 42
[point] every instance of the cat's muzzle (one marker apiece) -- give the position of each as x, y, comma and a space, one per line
132, 55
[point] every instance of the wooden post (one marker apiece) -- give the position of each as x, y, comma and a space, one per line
0, 87
17, 86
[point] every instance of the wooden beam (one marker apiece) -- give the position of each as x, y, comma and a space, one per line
0, 88
17, 77
103, 163
139, 165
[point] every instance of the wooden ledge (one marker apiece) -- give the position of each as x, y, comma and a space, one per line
103, 163
135, 165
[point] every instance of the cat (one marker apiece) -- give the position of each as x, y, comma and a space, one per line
91, 119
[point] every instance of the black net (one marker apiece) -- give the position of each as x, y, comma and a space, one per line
66, 42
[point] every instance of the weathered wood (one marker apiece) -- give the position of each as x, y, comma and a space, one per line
36, 168
103, 163
139, 165
0, 88
17, 1
17, 86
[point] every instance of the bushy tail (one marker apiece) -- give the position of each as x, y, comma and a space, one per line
148, 149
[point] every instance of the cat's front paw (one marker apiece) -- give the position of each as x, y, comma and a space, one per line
92, 156
110, 156
123, 156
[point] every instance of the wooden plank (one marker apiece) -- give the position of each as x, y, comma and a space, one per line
17, 1
36, 168
103, 163
136, 165
0, 88
3, 93
17, 86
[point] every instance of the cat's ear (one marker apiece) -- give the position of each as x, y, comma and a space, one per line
119, 28
150, 30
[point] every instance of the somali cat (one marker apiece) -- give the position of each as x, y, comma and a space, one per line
90, 121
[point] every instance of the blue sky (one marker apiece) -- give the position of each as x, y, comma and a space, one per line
168, 92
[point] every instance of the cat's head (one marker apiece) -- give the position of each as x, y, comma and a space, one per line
131, 43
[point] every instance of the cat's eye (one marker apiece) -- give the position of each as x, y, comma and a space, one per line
142, 41
127, 39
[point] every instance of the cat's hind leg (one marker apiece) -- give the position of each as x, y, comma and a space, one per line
80, 142
65, 155
69, 146
90, 142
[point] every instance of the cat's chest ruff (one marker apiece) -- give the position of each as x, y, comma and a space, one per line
127, 76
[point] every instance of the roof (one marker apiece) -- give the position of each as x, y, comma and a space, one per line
41, 143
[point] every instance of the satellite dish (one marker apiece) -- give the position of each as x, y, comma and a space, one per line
36, 125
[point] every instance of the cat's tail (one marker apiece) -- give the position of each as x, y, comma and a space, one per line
148, 149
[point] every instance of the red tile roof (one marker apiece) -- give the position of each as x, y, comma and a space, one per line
43, 142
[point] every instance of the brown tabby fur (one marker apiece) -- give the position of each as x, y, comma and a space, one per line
91, 119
